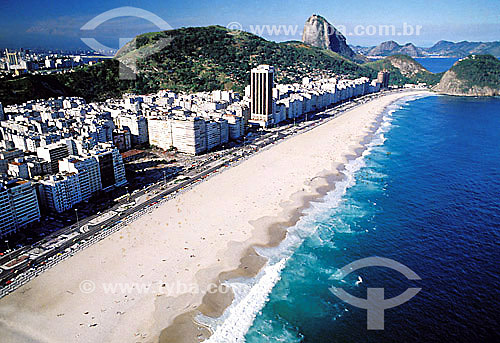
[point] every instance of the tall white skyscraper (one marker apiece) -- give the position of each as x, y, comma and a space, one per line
261, 93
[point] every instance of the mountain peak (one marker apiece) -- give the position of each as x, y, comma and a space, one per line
391, 48
320, 33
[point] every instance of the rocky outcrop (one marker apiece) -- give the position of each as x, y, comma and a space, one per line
410, 50
450, 84
407, 66
320, 33
476, 75
384, 48
441, 48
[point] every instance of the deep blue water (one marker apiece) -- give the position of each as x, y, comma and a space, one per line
427, 197
436, 65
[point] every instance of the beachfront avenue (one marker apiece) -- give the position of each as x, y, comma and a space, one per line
187, 238
67, 242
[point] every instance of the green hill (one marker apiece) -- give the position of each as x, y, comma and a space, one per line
20, 89
208, 58
475, 75
196, 59
405, 69
96, 82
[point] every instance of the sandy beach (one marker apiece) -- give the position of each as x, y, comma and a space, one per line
145, 282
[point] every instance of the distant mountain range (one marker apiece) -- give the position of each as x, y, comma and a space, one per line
440, 49
208, 58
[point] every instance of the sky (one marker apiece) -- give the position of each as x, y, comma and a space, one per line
57, 24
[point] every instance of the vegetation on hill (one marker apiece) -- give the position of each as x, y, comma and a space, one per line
23, 88
475, 75
208, 58
96, 82
405, 69
198, 59
479, 70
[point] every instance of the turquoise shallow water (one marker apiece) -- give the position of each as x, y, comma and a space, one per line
426, 193
428, 196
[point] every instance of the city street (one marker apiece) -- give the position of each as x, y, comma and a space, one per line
20, 266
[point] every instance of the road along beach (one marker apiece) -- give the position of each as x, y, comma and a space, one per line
146, 282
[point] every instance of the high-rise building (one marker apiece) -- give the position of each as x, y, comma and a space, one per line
24, 202
213, 134
383, 78
186, 134
7, 156
53, 153
106, 168
37, 166
89, 175
18, 169
189, 135
160, 133
261, 93
121, 139
118, 168
236, 127
136, 125
72, 148
14, 61
7, 220
60, 192
82, 176
2, 113
18, 206
111, 166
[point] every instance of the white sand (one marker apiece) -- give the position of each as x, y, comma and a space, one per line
187, 241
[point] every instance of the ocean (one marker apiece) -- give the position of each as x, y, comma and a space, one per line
436, 65
426, 194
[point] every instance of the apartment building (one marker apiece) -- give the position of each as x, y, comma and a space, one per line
53, 153
89, 175
186, 134
136, 125
18, 206
60, 192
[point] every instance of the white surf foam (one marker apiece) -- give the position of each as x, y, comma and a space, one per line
240, 317
251, 295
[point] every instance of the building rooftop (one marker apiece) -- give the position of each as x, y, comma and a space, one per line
16, 163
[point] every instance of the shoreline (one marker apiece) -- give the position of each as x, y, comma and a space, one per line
213, 229
185, 327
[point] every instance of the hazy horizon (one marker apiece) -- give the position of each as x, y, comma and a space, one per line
32, 24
